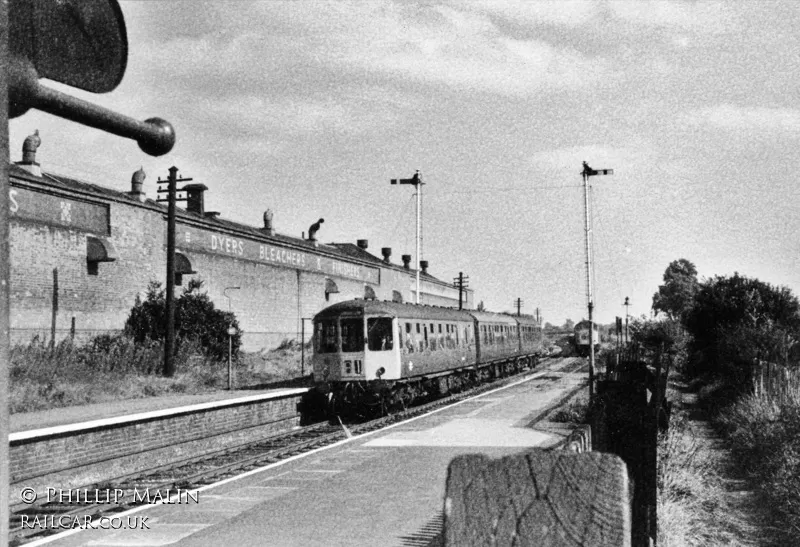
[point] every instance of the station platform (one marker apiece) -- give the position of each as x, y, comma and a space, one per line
382, 488
73, 415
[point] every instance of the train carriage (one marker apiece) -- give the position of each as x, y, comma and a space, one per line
368, 352
497, 335
372, 340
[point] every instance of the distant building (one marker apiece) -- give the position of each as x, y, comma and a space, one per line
81, 254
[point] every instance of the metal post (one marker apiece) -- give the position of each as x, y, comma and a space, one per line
54, 309
5, 365
589, 282
302, 346
231, 332
418, 186
169, 342
627, 303
588, 172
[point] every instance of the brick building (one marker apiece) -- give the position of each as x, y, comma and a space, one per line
81, 253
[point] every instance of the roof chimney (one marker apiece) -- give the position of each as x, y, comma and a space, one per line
362, 244
424, 265
194, 198
137, 182
268, 229
29, 154
387, 254
407, 262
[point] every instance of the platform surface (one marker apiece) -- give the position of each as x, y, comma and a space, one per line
379, 489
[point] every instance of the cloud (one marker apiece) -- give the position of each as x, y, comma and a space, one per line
312, 43
574, 13
701, 17
727, 116
466, 51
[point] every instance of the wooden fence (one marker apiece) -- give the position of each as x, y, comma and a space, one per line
779, 382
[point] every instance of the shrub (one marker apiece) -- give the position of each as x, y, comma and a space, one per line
196, 318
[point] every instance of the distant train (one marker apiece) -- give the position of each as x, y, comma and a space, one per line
582, 338
373, 355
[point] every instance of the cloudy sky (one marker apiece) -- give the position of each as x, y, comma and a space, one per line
309, 108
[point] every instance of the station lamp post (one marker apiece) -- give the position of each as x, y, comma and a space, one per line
231, 334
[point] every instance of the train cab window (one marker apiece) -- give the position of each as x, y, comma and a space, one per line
326, 337
352, 335
379, 333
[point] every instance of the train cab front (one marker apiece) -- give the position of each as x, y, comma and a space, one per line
354, 356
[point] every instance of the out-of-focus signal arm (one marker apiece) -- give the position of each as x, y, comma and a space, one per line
81, 43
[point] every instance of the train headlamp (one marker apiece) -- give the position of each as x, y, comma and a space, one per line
380, 372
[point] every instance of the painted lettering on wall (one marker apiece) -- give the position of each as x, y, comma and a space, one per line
227, 245
196, 239
27, 204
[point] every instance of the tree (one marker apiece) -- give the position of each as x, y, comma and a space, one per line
480, 307
569, 324
196, 318
676, 296
737, 321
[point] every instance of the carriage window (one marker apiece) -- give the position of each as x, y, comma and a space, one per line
352, 334
379, 333
325, 337
400, 335
408, 328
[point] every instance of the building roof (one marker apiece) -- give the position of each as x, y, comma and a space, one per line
209, 221
355, 251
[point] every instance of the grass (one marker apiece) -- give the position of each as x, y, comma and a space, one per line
695, 507
764, 430
111, 368
574, 412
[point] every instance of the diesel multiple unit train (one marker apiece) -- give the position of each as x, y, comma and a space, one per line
582, 346
371, 356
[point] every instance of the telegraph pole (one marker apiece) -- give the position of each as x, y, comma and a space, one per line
586, 173
171, 191
416, 180
462, 282
518, 304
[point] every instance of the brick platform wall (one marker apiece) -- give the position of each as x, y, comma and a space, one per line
53, 453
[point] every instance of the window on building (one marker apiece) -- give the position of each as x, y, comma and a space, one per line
379, 333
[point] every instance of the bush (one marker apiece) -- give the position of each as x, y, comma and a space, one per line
196, 318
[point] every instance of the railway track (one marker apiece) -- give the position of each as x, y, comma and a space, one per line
177, 479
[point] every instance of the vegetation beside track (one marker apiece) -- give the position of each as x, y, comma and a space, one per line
112, 368
736, 481
129, 365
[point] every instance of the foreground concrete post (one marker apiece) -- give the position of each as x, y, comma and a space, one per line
552, 498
